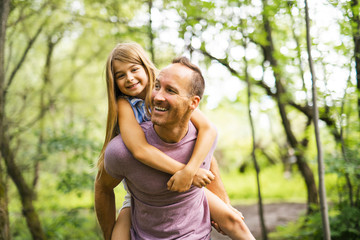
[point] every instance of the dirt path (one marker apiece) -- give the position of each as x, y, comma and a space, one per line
275, 214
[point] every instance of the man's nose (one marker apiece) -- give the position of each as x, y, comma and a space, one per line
159, 95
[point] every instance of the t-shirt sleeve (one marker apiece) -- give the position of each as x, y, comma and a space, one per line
115, 155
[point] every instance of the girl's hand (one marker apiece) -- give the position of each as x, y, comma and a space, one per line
236, 211
181, 180
203, 177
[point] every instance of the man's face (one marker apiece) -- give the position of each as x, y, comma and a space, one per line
170, 97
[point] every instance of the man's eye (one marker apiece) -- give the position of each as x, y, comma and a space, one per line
171, 91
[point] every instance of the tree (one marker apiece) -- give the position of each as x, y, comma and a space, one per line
37, 103
279, 92
4, 217
253, 152
269, 55
355, 20
322, 190
7, 152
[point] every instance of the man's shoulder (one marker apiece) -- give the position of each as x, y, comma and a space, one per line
147, 125
115, 146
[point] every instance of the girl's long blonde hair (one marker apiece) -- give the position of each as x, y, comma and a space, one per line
128, 53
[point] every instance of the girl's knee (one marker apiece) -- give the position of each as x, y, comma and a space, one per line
232, 221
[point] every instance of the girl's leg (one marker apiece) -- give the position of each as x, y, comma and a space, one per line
122, 226
228, 220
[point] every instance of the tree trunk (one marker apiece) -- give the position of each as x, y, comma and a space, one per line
356, 38
280, 94
256, 165
322, 190
4, 213
298, 49
26, 194
343, 146
7, 154
43, 106
151, 35
306, 172
4, 216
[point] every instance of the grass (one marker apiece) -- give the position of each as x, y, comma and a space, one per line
242, 187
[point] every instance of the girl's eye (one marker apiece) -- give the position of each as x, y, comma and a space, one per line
119, 76
134, 69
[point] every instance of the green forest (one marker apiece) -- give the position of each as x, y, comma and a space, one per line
282, 88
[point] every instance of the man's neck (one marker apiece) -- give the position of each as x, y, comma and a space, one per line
172, 134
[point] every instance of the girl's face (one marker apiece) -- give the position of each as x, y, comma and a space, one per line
130, 78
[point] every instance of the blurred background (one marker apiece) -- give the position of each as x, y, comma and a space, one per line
254, 56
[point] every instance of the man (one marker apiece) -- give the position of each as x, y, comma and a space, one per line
157, 213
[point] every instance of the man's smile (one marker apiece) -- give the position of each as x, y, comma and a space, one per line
160, 109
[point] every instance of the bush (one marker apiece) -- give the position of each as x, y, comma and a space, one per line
344, 224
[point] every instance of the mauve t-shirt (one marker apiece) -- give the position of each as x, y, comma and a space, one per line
157, 213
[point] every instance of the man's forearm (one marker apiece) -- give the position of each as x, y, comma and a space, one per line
217, 186
105, 210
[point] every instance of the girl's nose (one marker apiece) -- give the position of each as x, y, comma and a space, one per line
130, 77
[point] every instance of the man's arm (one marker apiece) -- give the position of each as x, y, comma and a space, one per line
105, 202
217, 186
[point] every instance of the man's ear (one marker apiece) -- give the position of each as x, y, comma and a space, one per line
195, 100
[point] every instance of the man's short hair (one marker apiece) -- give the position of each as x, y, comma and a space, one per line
197, 81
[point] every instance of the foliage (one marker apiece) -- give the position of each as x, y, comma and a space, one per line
62, 224
56, 110
344, 224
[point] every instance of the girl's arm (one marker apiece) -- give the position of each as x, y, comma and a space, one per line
134, 139
205, 140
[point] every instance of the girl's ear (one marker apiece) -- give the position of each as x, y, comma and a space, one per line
195, 100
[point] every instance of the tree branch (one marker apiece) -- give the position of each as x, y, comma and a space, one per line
104, 20
221, 61
22, 59
306, 110
52, 99
23, 17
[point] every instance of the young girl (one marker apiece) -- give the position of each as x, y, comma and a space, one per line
130, 76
